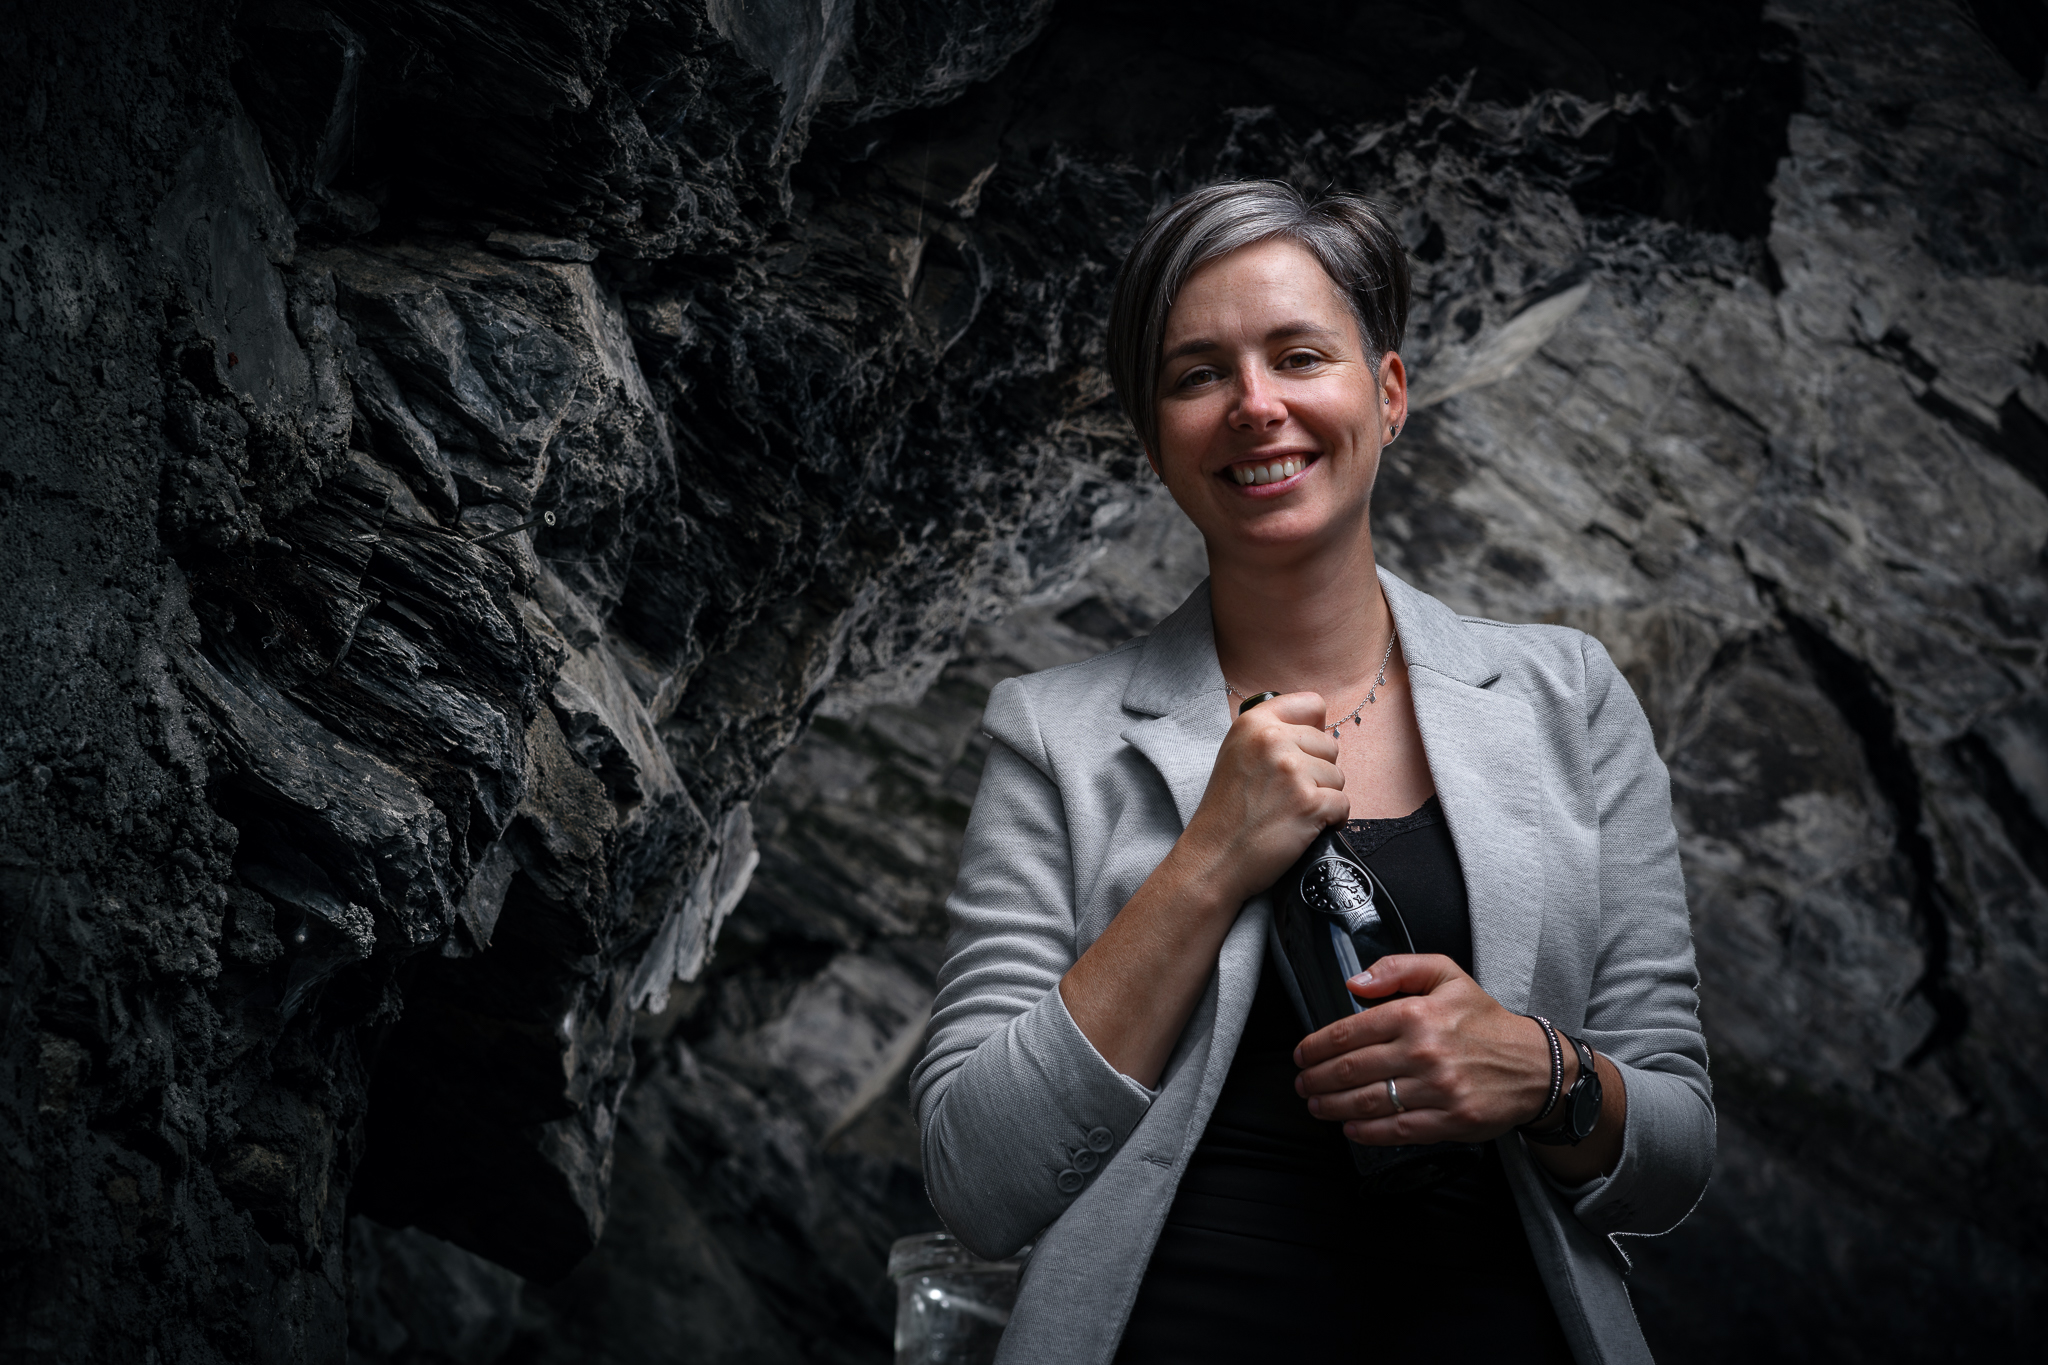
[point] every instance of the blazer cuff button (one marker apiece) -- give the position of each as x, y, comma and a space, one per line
1070, 1182
1100, 1139
1084, 1161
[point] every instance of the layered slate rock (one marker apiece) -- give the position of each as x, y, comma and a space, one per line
454, 452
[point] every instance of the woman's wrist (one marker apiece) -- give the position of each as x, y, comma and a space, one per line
1205, 876
1580, 1104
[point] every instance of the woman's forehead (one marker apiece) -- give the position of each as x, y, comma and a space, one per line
1257, 288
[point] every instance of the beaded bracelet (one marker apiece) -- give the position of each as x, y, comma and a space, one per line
1556, 1069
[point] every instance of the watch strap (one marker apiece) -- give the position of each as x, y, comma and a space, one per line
1570, 1133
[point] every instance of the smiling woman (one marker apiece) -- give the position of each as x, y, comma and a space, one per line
1124, 1062
1264, 375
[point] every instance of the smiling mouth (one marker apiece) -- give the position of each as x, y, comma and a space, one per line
1253, 472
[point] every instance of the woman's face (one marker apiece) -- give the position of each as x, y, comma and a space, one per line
1270, 417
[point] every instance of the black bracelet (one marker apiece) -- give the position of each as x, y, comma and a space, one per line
1582, 1104
1556, 1070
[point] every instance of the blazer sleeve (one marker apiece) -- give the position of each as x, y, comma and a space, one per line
1643, 1012
1016, 1109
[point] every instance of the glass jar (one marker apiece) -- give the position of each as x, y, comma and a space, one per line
951, 1306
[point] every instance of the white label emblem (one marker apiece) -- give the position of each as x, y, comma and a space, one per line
1336, 887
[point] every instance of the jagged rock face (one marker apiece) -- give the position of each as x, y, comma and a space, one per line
454, 452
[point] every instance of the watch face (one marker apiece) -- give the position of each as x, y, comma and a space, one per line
1586, 1107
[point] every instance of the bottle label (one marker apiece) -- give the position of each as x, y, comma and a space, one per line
1336, 887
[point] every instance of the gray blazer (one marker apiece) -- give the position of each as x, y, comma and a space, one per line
1561, 814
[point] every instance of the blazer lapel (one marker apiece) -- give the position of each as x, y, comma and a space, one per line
1182, 746
1481, 747
1179, 686
1479, 750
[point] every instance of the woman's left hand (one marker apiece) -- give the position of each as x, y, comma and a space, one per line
1467, 1070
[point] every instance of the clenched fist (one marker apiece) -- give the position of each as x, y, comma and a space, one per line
1275, 786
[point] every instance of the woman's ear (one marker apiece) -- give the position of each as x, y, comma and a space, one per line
1393, 383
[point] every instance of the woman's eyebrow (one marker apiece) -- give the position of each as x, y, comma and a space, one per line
1195, 347
1289, 331
1286, 331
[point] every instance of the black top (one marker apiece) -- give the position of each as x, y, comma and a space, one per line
1270, 1247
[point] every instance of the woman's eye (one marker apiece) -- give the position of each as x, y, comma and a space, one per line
1196, 378
1299, 360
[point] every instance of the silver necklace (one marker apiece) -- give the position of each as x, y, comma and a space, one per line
1371, 696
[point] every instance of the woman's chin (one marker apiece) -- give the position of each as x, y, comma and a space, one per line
1269, 527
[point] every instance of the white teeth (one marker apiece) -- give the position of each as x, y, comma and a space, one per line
1267, 473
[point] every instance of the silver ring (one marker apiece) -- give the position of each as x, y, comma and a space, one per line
1394, 1097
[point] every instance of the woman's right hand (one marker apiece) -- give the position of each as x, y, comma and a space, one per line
1275, 786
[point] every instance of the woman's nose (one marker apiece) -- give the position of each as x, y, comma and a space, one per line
1258, 402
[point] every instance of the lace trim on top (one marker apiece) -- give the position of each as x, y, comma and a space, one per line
1369, 836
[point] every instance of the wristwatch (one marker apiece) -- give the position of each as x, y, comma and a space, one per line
1581, 1105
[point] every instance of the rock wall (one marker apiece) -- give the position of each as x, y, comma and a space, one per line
454, 452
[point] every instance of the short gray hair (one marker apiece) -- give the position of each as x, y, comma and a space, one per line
1347, 234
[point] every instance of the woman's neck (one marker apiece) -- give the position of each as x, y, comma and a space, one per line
1318, 623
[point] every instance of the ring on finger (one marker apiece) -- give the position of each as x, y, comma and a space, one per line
1394, 1097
